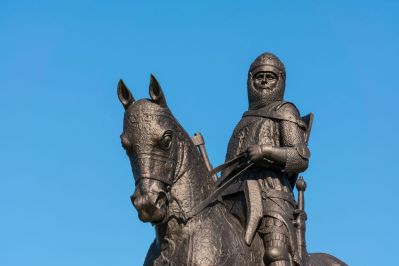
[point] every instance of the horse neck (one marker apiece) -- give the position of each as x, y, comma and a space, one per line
194, 183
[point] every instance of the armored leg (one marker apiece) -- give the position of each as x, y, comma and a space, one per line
276, 243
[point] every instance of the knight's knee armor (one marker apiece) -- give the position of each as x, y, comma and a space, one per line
276, 248
275, 241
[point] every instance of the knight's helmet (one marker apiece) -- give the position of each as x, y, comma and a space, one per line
266, 62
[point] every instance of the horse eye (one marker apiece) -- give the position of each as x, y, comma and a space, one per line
166, 140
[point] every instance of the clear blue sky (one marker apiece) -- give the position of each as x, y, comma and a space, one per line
65, 181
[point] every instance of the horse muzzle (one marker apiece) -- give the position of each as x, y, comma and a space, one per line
151, 206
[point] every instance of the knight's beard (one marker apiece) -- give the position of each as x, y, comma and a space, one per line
263, 96
267, 88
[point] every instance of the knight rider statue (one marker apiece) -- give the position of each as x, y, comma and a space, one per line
273, 135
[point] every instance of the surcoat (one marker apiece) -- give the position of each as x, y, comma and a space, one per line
277, 124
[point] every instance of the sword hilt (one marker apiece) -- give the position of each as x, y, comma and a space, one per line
199, 142
300, 221
301, 187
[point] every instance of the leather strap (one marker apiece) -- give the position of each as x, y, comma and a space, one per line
278, 194
227, 164
215, 194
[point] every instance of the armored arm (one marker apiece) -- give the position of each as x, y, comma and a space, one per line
292, 138
292, 155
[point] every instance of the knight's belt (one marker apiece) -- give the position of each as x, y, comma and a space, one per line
278, 194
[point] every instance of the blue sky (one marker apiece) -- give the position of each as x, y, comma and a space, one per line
65, 181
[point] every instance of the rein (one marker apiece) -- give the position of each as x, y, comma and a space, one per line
215, 194
239, 168
236, 167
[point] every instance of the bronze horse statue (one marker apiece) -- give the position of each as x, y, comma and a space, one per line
171, 180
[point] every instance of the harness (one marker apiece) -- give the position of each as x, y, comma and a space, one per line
156, 157
238, 165
228, 180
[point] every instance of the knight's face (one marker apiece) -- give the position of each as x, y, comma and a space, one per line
265, 81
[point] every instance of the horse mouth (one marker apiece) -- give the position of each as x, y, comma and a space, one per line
150, 207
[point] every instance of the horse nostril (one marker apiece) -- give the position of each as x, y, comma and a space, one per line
161, 199
133, 199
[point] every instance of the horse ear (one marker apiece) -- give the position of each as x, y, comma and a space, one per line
156, 92
124, 95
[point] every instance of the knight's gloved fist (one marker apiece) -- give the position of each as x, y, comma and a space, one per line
255, 153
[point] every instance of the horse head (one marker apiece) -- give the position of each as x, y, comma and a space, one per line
155, 144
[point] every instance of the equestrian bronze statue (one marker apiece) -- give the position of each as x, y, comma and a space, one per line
248, 215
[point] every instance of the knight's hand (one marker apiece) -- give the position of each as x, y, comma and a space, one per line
255, 153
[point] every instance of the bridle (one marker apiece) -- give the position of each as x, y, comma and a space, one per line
169, 183
237, 168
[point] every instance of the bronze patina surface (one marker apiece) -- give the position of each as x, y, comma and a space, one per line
249, 215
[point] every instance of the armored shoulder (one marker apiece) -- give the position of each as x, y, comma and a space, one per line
288, 109
294, 135
289, 112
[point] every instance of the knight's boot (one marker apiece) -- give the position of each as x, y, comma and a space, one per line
276, 250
